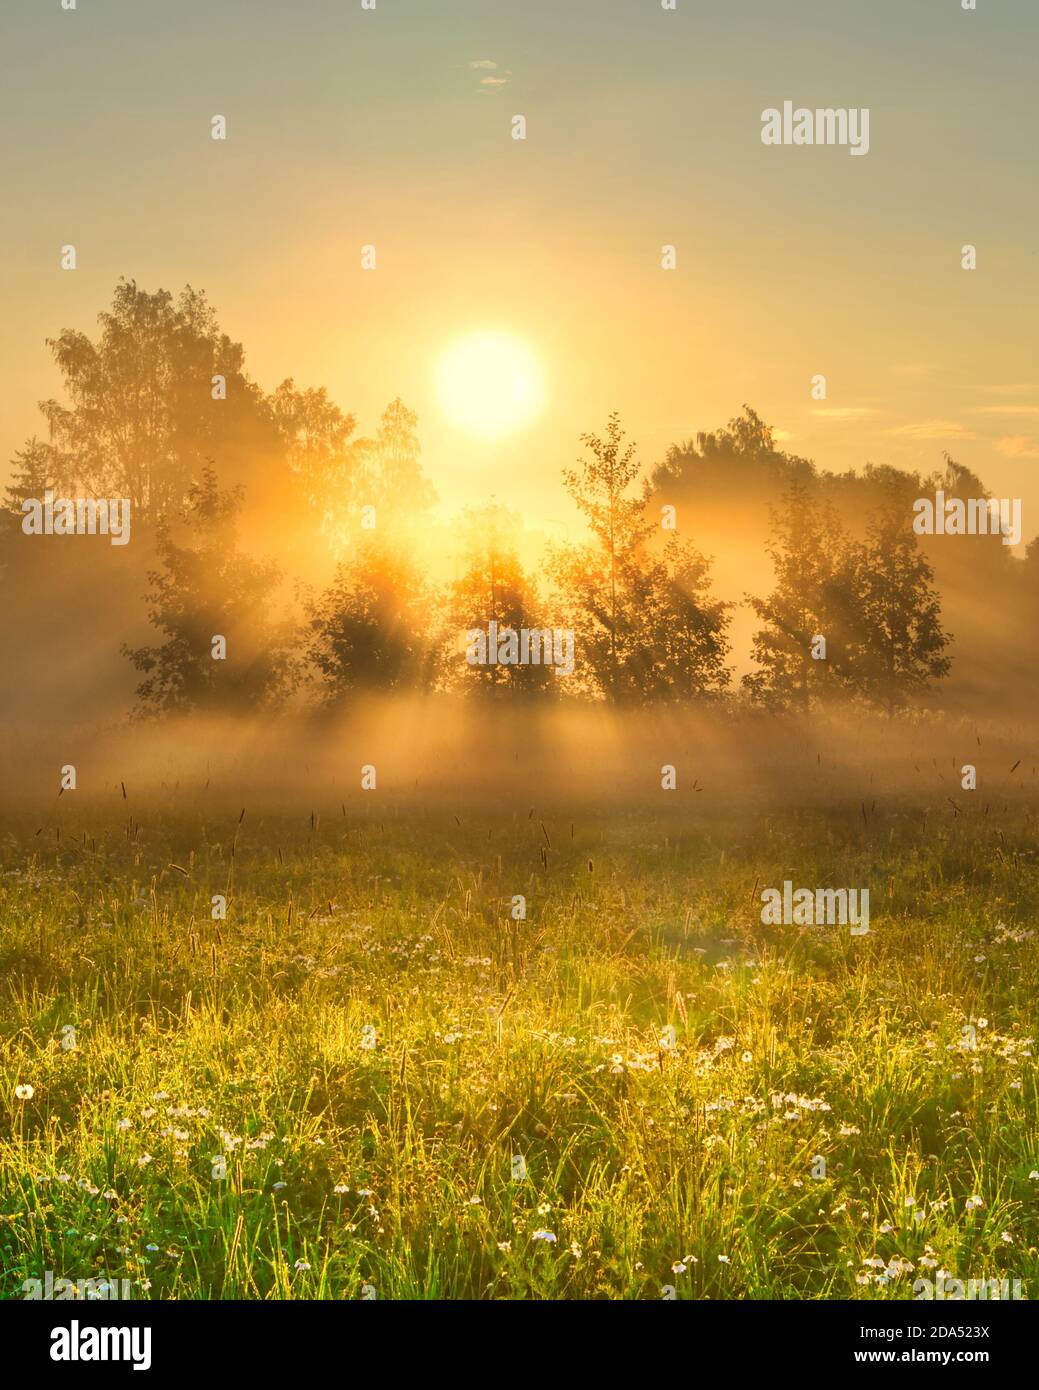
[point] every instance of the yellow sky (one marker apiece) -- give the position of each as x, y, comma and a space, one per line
347, 129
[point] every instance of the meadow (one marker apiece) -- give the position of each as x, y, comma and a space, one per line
372, 1079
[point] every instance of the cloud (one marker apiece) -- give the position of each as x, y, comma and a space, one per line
488, 85
844, 412
1018, 446
1007, 410
931, 429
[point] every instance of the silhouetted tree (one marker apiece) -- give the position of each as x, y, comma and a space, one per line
898, 645
690, 626
393, 474
375, 627
592, 576
342, 475
874, 603
644, 625
318, 437
495, 588
32, 475
809, 552
145, 413
209, 589
734, 460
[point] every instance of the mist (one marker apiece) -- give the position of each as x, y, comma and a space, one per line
446, 754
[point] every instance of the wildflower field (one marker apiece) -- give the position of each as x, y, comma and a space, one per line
372, 1079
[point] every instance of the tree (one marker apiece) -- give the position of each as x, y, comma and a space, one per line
341, 475
809, 553
495, 588
144, 417
690, 627
898, 645
208, 590
374, 627
644, 624
322, 453
741, 458
592, 576
394, 475
32, 475
874, 603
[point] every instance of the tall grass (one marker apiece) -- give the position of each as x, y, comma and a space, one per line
653, 1161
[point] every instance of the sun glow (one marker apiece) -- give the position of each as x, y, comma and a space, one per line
489, 384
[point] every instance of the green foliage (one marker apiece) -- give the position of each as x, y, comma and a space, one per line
392, 1166
899, 645
375, 627
142, 419
645, 625
874, 602
495, 588
807, 550
207, 588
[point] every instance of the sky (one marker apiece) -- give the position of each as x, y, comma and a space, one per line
390, 127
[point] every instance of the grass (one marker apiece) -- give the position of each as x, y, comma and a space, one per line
653, 1161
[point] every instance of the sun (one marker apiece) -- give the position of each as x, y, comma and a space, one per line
489, 384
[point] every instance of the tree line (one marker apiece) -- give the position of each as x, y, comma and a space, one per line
160, 410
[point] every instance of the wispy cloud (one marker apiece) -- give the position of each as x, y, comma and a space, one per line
923, 430
1007, 410
1019, 446
490, 84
